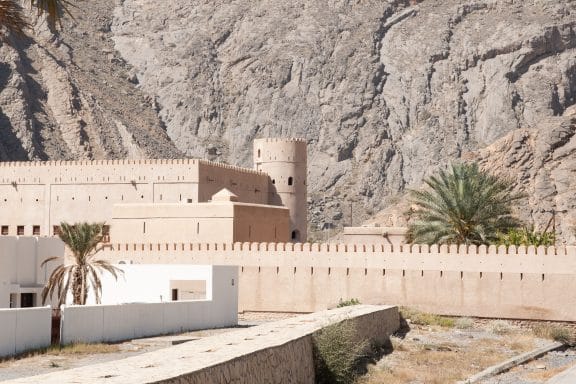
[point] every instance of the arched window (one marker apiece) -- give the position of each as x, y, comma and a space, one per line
273, 181
295, 235
290, 180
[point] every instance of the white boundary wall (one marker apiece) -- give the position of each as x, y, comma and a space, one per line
97, 323
22, 329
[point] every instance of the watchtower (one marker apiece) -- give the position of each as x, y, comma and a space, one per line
285, 161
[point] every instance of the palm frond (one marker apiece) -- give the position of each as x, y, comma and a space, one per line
464, 205
11, 17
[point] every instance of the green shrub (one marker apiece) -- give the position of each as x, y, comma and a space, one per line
423, 318
347, 303
526, 236
337, 353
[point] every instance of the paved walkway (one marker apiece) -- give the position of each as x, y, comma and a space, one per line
566, 377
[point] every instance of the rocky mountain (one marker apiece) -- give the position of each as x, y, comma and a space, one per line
384, 91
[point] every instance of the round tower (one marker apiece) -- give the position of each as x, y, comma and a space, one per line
284, 160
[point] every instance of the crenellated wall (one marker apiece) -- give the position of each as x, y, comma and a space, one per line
523, 282
36, 196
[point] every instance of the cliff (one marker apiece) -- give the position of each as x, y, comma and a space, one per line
384, 92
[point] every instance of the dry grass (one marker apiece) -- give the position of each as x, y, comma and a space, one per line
66, 350
432, 356
554, 332
429, 319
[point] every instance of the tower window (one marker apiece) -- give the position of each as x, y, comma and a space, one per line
258, 153
295, 235
290, 180
273, 181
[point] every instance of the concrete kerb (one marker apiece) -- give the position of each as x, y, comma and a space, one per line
262, 354
511, 363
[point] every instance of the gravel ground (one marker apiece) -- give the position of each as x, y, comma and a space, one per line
46, 363
537, 371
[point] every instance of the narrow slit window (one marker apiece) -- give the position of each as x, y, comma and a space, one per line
290, 180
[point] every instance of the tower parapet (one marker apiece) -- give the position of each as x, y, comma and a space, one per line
285, 161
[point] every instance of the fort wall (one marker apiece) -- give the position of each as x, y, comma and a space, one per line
514, 282
36, 196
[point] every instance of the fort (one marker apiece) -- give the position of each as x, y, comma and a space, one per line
35, 197
194, 212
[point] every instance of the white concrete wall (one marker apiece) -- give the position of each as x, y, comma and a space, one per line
149, 283
95, 323
20, 265
23, 329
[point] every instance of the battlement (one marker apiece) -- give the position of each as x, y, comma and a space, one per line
62, 163
406, 249
282, 140
248, 171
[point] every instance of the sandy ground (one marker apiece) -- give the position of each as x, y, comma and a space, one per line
433, 354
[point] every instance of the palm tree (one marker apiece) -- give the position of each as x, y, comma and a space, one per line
464, 205
12, 18
83, 240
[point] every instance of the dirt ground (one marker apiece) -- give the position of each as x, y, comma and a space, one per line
438, 350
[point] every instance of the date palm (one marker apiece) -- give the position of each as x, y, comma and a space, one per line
464, 205
13, 20
83, 240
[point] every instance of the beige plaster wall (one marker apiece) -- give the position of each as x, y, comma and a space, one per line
522, 282
225, 221
374, 235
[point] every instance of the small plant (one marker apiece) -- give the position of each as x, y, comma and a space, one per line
526, 236
554, 332
500, 327
348, 303
429, 319
464, 323
337, 353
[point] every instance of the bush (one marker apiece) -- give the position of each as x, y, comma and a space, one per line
348, 303
423, 318
554, 332
526, 236
337, 353
464, 323
500, 327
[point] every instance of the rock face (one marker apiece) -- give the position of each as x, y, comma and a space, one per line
384, 92
70, 97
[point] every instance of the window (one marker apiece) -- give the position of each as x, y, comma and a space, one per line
35, 230
105, 233
27, 300
174, 295
290, 180
295, 236
56, 230
273, 181
258, 153
5, 231
20, 230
